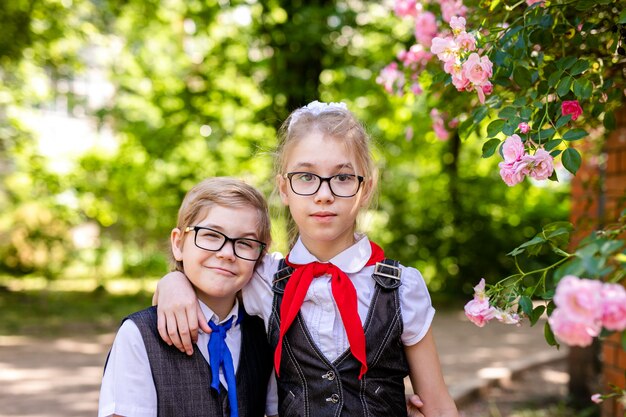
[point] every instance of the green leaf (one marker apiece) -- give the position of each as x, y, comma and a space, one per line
549, 335
564, 86
554, 78
522, 76
527, 305
535, 241
536, 314
575, 134
489, 147
567, 62
507, 112
622, 21
582, 88
526, 113
563, 120
510, 126
495, 127
579, 67
552, 144
479, 114
571, 160
624, 339
609, 120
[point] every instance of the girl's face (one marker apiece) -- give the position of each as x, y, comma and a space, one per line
217, 276
325, 222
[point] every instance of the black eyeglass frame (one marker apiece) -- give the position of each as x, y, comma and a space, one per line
226, 240
290, 175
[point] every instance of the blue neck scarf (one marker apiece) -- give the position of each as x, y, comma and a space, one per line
220, 357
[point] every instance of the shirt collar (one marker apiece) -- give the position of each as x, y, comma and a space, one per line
350, 261
234, 313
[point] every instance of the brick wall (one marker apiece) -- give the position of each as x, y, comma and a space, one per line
597, 199
613, 354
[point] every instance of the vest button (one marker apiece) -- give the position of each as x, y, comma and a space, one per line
333, 398
330, 375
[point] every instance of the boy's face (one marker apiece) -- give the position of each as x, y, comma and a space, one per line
217, 275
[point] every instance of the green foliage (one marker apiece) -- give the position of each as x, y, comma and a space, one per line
199, 89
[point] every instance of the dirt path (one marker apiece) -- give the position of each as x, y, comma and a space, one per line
61, 377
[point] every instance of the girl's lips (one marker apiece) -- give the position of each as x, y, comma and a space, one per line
324, 216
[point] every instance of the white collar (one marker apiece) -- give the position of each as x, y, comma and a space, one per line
350, 261
234, 313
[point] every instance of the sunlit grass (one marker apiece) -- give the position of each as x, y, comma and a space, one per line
32, 306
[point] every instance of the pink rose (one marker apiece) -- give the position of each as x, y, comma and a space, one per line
391, 79
445, 48
513, 148
597, 398
457, 24
523, 127
404, 8
571, 107
614, 307
425, 28
466, 42
479, 312
507, 317
512, 173
531, 2
479, 290
580, 299
451, 8
478, 69
571, 331
541, 165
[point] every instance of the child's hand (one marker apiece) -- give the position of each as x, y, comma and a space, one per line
179, 314
413, 405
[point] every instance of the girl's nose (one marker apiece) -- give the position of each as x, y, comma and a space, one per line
324, 194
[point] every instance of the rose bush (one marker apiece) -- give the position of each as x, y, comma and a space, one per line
551, 71
531, 78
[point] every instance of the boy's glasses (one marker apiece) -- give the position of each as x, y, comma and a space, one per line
212, 240
307, 183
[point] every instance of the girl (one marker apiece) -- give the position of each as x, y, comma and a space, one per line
346, 324
222, 231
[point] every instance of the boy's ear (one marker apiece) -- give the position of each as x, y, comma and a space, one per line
281, 184
176, 240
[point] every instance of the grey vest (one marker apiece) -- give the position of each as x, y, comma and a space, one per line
312, 386
183, 382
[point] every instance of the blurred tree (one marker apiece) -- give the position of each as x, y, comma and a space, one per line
199, 88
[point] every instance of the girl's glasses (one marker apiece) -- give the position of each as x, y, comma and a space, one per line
307, 183
212, 240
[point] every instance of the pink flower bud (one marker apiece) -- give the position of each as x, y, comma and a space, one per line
523, 127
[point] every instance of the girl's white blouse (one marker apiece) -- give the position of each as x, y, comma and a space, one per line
319, 310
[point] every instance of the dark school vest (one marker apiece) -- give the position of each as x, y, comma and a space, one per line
312, 386
183, 382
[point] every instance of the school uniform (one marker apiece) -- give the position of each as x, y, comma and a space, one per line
318, 373
144, 377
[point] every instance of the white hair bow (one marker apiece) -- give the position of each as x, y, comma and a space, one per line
315, 108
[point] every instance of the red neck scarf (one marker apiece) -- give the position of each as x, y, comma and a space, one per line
343, 293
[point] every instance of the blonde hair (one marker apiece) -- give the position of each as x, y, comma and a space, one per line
226, 192
333, 122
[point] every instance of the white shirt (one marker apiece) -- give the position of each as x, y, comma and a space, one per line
127, 385
319, 311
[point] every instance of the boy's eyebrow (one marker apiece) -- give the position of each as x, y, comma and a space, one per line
221, 229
